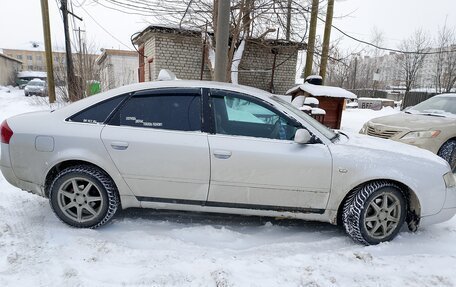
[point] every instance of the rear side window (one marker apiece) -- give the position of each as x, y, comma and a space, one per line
169, 111
97, 113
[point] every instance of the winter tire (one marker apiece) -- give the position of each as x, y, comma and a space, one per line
374, 213
83, 196
448, 153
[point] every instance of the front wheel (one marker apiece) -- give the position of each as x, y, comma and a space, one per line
375, 213
448, 153
83, 196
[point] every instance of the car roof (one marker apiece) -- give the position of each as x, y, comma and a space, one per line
453, 95
82, 104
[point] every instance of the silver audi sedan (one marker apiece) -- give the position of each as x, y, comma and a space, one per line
213, 147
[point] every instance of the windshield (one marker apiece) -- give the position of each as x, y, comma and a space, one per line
327, 132
440, 105
36, 83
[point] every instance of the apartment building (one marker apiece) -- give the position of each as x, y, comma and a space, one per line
34, 60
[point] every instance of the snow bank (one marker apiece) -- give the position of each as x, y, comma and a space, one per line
327, 91
354, 119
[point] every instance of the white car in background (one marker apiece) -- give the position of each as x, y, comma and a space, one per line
36, 87
213, 147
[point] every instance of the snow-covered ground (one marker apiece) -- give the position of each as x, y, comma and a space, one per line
151, 248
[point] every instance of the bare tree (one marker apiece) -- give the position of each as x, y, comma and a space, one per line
411, 62
86, 71
249, 19
445, 64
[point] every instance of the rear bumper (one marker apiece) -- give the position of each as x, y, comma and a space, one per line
447, 212
24, 185
8, 173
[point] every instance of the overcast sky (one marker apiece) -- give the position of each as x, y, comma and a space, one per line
20, 21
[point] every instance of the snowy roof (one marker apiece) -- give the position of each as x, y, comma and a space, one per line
31, 74
113, 52
170, 29
323, 91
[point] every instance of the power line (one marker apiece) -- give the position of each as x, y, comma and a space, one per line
104, 29
384, 48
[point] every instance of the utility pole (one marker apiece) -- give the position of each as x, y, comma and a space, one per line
311, 41
354, 73
80, 56
326, 38
288, 31
48, 48
221, 38
71, 79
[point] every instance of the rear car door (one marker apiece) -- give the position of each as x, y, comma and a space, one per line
255, 163
155, 141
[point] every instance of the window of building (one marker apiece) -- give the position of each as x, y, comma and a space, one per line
29, 57
19, 57
180, 112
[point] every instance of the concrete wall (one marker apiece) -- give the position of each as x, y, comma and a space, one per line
124, 70
8, 70
118, 70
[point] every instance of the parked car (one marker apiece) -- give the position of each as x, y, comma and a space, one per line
430, 125
213, 147
36, 87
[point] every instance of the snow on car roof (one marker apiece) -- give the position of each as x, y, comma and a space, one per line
31, 74
453, 95
325, 91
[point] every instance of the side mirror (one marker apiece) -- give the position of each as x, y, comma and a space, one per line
302, 136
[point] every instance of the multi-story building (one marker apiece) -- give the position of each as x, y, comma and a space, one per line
34, 60
390, 71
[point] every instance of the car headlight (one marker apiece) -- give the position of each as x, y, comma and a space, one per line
363, 129
450, 180
421, 134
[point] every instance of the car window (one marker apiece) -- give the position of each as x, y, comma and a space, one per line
97, 113
437, 105
180, 112
237, 114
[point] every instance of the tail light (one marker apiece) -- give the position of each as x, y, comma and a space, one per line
6, 132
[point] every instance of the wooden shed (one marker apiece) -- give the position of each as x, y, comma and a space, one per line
331, 100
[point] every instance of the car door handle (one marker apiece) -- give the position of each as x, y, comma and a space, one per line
119, 145
222, 154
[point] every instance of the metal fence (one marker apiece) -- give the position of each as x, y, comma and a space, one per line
414, 98
369, 93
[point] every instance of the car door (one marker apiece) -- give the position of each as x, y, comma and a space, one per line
255, 163
155, 141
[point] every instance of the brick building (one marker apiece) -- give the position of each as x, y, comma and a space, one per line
181, 51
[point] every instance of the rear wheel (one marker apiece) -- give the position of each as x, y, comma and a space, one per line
375, 213
448, 153
83, 196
